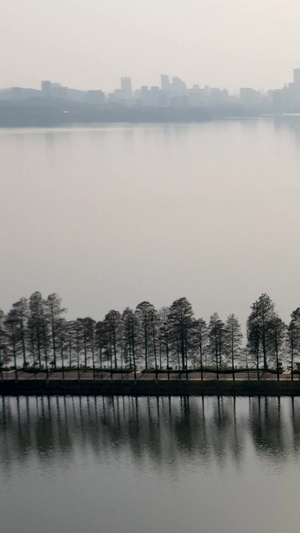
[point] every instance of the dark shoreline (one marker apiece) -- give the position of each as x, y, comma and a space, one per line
41, 387
53, 112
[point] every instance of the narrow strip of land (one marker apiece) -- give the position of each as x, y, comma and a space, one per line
141, 383
142, 375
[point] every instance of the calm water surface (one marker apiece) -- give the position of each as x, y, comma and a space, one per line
129, 465
114, 215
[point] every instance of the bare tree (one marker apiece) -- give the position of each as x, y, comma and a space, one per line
294, 337
70, 340
164, 335
130, 332
4, 352
146, 315
253, 345
38, 328
62, 341
21, 309
258, 327
113, 331
201, 336
78, 336
13, 333
233, 340
277, 338
87, 335
182, 327
216, 334
100, 341
54, 310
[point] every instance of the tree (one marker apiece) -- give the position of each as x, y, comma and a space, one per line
87, 335
216, 335
62, 341
146, 315
13, 334
112, 325
100, 341
154, 334
38, 328
164, 335
78, 335
201, 336
253, 345
277, 336
21, 310
294, 337
70, 340
130, 335
233, 340
258, 327
53, 312
4, 357
182, 327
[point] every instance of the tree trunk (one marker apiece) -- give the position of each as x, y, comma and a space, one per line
62, 359
277, 359
232, 359
257, 364
155, 354
264, 349
186, 364
115, 349
146, 345
217, 361
201, 360
133, 355
168, 360
23, 343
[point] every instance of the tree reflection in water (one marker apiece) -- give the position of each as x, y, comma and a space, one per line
166, 431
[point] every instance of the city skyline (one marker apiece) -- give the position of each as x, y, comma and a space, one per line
158, 82
171, 92
244, 44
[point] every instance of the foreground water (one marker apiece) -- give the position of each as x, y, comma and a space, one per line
114, 215
146, 464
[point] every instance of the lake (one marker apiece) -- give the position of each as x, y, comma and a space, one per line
149, 464
113, 215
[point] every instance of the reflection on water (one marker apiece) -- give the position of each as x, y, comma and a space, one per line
135, 465
164, 431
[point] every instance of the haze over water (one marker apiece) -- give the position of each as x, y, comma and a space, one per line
113, 215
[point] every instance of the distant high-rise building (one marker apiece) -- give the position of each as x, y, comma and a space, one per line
126, 88
164, 82
54, 90
297, 77
178, 86
249, 96
46, 87
144, 94
95, 97
154, 95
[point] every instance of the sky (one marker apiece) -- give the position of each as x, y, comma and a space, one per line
90, 44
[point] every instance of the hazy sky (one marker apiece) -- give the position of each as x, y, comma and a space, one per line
91, 43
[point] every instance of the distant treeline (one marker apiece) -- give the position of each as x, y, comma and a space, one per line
38, 112
34, 333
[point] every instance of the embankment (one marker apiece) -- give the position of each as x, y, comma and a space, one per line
149, 388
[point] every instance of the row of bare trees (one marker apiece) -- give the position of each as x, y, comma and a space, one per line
34, 333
